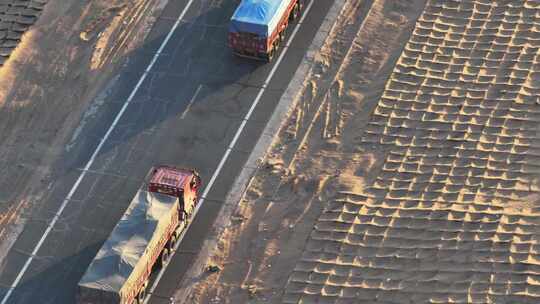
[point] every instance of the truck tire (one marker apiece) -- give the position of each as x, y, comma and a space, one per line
295, 12
164, 257
279, 39
172, 243
283, 35
268, 58
185, 216
275, 48
191, 210
142, 294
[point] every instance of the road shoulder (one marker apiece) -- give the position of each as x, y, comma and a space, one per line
257, 157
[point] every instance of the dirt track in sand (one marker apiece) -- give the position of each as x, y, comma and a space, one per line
419, 180
60, 65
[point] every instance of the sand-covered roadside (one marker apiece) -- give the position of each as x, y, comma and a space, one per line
60, 65
315, 155
451, 213
418, 181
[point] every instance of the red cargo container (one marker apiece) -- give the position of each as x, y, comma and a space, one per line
258, 27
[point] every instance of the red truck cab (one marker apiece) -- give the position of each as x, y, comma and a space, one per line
179, 182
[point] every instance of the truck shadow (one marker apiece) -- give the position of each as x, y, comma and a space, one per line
195, 84
57, 283
54, 284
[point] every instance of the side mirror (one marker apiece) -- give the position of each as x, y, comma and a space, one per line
195, 182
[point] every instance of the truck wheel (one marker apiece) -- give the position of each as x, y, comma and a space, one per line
275, 47
270, 56
186, 216
172, 243
295, 12
164, 257
142, 294
183, 216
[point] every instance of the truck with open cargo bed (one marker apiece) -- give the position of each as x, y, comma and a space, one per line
257, 27
142, 239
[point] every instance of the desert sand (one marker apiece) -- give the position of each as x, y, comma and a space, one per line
67, 51
408, 172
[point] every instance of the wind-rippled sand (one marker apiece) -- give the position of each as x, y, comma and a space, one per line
453, 214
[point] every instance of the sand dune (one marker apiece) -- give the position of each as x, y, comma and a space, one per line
448, 219
16, 16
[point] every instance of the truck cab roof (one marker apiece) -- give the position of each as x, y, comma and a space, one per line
169, 176
169, 180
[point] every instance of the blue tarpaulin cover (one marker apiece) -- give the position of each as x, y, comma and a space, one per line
258, 16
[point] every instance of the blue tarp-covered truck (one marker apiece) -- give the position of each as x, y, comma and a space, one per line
257, 27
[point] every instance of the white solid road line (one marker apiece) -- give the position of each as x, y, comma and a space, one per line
93, 157
233, 142
191, 101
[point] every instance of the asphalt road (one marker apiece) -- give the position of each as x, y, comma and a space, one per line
185, 113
